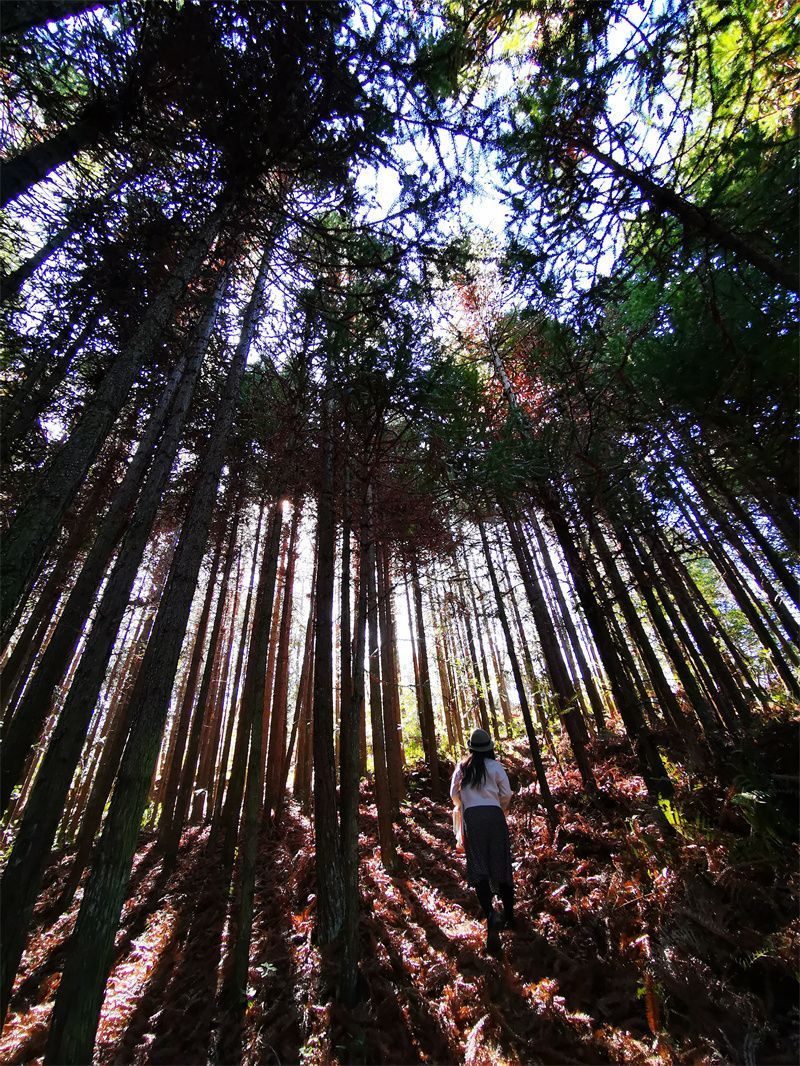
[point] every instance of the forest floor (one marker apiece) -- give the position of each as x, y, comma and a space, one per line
632, 948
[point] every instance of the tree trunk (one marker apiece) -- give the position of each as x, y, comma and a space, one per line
222, 771
533, 742
483, 714
732, 705
165, 793
43, 618
585, 672
36, 521
302, 713
173, 818
208, 762
81, 213
486, 683
350, 750
751, 610
664, 693
235, 989
249, 729
380, 773
330, 888
106, 769
697, 220
562, 689
390, 700
505, 703
37, 700
80, 994
274, 647
280, 696
425, 696
645, 579
784, 575
527, 660
35, 393
650, 763
36, 832
33, 164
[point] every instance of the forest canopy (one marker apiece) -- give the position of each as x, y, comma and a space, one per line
374, 372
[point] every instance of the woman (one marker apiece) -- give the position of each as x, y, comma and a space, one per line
480, 789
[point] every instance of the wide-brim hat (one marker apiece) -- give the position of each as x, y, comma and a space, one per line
480, 741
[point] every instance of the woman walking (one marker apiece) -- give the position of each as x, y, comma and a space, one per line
481, 792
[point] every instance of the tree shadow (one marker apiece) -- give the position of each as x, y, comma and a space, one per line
268, 1025
183, 983
27, 991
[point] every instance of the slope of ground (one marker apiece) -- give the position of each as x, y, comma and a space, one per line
631, 948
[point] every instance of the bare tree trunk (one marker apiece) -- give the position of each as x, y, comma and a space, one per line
250, 713
562, 689
35, 393
31, 713
278, 722
533, 742
352, 709
36, 521
584, 671
233, 715
172, 827
330, 889
302, 714
80, 994
214, 720
426, 699
381, 776
235, 988
697, 220
37, 829
653, 771
485, 680
389, 688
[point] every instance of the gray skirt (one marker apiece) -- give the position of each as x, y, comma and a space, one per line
487, 845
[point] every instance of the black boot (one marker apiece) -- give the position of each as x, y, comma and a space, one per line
507, 896
493, 926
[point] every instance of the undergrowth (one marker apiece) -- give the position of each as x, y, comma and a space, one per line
632, 947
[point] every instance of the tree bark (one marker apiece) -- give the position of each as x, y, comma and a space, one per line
330, 889
34, 524
389, 686
380, 773
173, 817
280, 695
350, 751
34, 839
221, 779
34, 394
533, 742
235, 989
425, 696
584, 670
80, 994
552, 655
33, 709
652, 768
664, 693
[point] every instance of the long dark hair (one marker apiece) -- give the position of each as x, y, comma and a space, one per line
473, 768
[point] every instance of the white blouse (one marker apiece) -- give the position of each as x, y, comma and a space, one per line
494, 792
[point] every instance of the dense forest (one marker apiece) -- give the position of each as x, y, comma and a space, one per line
374, 372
